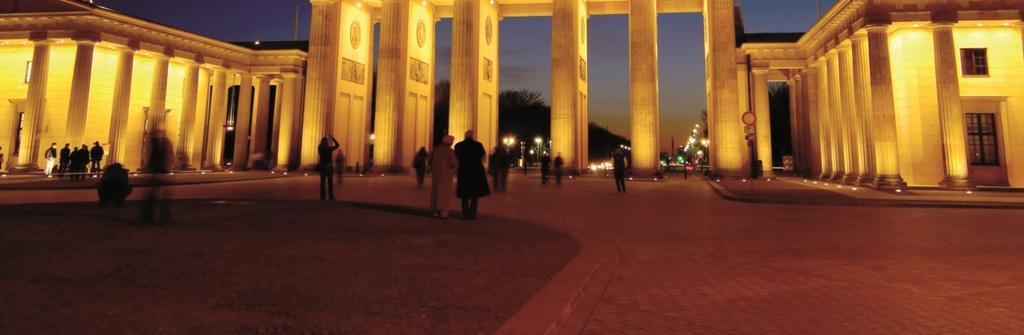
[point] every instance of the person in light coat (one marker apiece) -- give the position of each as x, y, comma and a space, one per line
443, 165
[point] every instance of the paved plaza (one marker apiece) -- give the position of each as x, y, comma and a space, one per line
674, 257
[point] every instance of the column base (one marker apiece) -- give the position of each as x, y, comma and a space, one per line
889, 183
866, 180
837, 176
958, 184
851, 179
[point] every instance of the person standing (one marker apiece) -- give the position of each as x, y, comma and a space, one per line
65, 160
95, 156
340, 166
51, 159
419, 163
498, 166
545, 169
619, 166
326, 151
472, 177
559, 163
158, 163
79, 162
443, 165
2, 159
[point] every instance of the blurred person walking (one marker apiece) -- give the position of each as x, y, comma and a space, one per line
619, 168
559, 163
419, 163
160, 155
65, 160
498, 166
472, 177
443, 166
545, 169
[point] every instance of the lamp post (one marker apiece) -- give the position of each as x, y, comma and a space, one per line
522, 154
538, 141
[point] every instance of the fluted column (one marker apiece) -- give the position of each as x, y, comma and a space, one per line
835, 118
243, 123
78, 104
763, 125
815, 156
156, 116
390, 85
186, 132
218, 117
566, 106
35, 106
796, 114
121, 106
883, 111
282, 141
851, 139
727, 139
321, 79
862, 90
260, 124
824, 119
643, 85
954, 135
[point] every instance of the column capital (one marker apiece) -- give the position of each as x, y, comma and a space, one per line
844, 45
323, 2
859, 37
876, 27
942, 25
86, 37
760, 70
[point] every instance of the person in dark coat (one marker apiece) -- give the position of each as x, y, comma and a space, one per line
419, 163
65, 160
472, 178
113, 185
619, 167
159, 162
498, 166
95, 156
559, 163
326, 151
79, 159
545, 169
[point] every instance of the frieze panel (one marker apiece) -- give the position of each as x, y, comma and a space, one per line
353, 71
583, 69
419, 71
488, 70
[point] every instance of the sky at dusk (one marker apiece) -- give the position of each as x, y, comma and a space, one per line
525, 48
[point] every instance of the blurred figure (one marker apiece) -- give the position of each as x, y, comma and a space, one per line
113, 186
545, 169
79, 159
340, 166
559, 163
326, 151
2, 159
51, 159
619, 166
65, 160
443, 165
157, 207
498, 166
95, 156
472, 177
419, 163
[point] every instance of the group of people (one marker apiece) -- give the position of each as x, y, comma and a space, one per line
545, 169
73, 162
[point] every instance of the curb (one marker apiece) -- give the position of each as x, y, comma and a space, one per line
729, 195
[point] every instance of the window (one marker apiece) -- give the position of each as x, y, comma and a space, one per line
28, 71
17, 134
982, 140
975, 62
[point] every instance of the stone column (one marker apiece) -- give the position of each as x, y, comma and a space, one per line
811, 99
156, 116
566, 74
828, 154
283, 134
848, 124
475, 70
243, 123
121, 106
643, 84
391, 82
320, 83
796, 114
954, 135
834, 125
78, 104
260, 124
35, 106
218, 117
763, 126
862, 90
727, 138
883, 111
190, 99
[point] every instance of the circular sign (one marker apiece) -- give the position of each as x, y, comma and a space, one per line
488, 30
749, 118
421, 33
355, 34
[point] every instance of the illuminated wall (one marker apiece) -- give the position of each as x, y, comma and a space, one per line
352, 121
101, 96
918, 131
14, 54
417, 120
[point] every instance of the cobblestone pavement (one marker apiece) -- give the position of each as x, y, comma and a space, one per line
688, 262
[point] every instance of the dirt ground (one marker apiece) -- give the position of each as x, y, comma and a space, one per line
261, 267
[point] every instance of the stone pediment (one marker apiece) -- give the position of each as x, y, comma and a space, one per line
42, 6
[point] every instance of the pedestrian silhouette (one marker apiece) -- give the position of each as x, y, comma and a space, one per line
65, 160
2, 159
157, 207
113, 185
559, 163
340, 166
326, 151
51, 157
619, 168
545, 169
472, 177
498, 166
95, 156
79, 159
419, 163
443, 166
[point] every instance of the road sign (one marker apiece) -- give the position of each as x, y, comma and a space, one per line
749, 118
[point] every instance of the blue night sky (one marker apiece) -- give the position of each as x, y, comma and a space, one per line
525, 48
